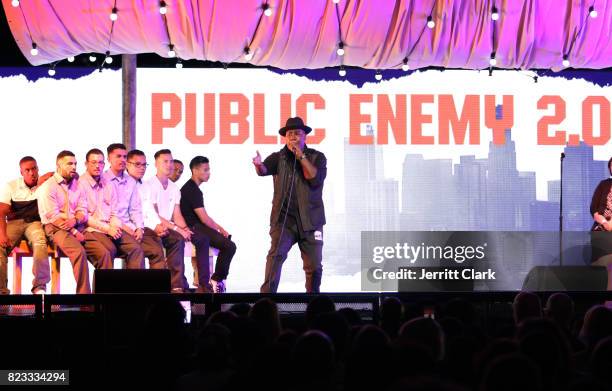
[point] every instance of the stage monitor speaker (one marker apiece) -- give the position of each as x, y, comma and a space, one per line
566, 278
131, 281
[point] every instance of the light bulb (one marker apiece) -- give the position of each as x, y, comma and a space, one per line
70, 59
494, 14
430, 22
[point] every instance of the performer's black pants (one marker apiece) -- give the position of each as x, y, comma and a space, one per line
311, 248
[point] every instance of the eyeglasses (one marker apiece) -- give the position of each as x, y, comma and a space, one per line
139, 165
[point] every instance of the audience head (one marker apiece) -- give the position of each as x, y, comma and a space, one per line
526, 305
560, 308
426, 332
597, 325
319, 305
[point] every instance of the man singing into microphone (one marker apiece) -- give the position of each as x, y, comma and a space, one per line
297, 213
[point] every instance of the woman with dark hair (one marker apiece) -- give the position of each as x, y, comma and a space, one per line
601, 237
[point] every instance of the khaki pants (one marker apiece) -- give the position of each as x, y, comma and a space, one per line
18, 230
75, 251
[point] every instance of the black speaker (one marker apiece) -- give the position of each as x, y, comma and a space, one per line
131, 281
566, 278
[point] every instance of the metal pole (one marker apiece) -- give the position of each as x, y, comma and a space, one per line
128, 69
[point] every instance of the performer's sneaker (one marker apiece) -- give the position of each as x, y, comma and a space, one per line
217, 286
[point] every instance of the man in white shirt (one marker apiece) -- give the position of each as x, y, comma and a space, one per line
106, 239
163, 197
19, 219
63, 212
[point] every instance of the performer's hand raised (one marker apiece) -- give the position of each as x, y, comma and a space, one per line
257, 159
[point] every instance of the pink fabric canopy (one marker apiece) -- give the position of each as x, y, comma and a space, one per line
377, 34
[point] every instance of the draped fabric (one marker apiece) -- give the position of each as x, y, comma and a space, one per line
378, 34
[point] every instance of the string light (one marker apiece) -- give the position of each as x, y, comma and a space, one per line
247, 54
108, 59
342, 71
378, 75
566, 62
340, 50
92, 58
494, 13
70, 59
179, 63
171, 51
163, 8
51, 70
15, 3
430, 22
405, 66
492, 60
34, 50
266, 9
336, 1
592, 12
113, 15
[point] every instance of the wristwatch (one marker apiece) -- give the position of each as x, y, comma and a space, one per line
302, 157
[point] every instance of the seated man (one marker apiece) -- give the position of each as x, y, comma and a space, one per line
19, 219
206, 231
129, 204
158, 205
106, 239
177, 170
63, 213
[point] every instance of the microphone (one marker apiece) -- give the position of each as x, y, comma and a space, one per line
562, 155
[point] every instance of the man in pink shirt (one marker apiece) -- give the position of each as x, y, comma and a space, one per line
63, 213
105, 238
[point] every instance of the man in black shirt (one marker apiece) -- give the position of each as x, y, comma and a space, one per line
297, 214
206, 231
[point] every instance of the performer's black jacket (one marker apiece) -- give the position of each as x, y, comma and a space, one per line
309, 191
